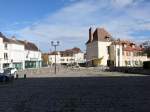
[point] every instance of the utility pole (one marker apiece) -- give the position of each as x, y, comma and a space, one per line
55, 44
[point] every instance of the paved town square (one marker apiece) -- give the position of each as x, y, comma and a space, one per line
74, 55
77, 93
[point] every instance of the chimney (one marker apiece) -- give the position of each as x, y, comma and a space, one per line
90, 34
141, 46
13, 38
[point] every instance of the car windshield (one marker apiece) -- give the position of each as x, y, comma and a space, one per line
9, 68
7, 71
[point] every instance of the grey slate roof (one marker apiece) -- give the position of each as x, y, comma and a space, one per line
28, 45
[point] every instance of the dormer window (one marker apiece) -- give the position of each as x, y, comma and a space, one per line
107, 38
124, 45
5, 56
133, 46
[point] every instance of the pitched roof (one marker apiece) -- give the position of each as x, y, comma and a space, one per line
74, 50
129, 46
53, 53
5, 39
28, 45
101, 34
68, 52
133, 49
122, 42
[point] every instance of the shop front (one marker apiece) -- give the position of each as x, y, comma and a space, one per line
18, 65
32, 64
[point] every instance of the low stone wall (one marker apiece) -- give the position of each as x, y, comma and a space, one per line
46, 71
60, 69
43, 70
133, 70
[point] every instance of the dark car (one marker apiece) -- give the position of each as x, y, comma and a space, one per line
3, 78
6, 76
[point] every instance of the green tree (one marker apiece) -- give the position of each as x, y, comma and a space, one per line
45, 59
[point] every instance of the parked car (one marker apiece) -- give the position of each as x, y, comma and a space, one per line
5, 77
1, 70
11, 71
73, 65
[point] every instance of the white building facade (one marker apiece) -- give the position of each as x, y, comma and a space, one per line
51, 57
16, 53
66, 57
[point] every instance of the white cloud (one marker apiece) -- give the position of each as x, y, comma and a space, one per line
122, 3
70, 24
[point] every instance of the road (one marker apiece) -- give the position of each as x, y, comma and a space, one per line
76, 94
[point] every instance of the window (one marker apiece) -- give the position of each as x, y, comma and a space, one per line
124, 45
128, 53
71, 59
118, 52
62, 60
123, 52
6, 46
134, 54
141, 63
107, 38
108, 49
129, 62
136, 63
5, 56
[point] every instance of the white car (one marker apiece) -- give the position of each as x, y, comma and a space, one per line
1, 71
12, 71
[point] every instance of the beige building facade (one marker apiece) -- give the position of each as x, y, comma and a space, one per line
103, 50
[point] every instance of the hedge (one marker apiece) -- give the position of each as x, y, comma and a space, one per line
146, 64
110, 63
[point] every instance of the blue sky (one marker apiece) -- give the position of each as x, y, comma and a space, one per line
68, 21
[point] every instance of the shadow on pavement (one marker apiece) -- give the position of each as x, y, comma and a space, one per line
76, 94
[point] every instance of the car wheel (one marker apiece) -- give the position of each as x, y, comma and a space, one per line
4, 79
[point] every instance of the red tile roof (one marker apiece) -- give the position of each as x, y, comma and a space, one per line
135, 48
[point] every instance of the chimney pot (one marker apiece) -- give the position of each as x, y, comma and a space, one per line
90, 34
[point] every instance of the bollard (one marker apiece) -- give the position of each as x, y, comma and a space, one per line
17, 76
25, 76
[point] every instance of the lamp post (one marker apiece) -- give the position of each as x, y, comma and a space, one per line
55, 44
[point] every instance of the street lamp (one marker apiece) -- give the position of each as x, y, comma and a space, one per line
55, 44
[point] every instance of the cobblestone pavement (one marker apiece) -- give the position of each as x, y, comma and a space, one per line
76, 94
